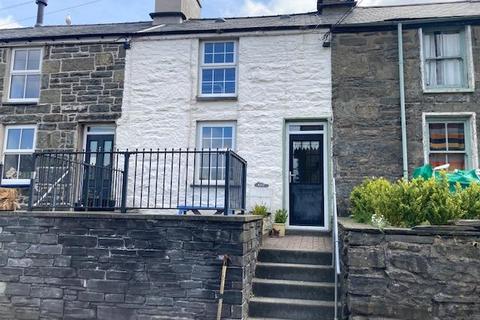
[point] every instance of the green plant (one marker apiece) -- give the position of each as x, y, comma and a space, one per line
260, 210
415, 202
281, 216
469, 199
370, 198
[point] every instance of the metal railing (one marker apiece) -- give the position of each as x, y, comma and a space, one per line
142, 179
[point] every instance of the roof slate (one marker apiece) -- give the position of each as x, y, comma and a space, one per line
359, 15
365, 15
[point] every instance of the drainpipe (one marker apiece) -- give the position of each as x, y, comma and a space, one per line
402, 101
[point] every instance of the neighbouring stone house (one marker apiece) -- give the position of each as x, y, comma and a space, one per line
58, 85
441, 73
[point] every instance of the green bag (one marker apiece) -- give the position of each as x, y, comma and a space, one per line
464, 177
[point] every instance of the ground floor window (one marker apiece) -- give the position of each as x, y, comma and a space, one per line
449, 142
19, 146
214, 136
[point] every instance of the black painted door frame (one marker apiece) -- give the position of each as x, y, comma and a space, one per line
307, 196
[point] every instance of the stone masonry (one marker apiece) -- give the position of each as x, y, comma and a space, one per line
366, 105
124, 267
424, 274
81, 83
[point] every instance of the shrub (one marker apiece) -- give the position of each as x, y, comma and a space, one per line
370, 198
411, 203
260, 210
281, 216
469, 199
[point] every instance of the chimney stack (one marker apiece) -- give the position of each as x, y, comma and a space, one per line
175, 11
41, 11
335, 6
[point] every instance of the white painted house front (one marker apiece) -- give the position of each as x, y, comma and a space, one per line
274, 97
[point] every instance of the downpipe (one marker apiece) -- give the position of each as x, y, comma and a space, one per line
401, 69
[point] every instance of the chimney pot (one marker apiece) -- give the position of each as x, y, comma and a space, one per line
40, 11
175, 11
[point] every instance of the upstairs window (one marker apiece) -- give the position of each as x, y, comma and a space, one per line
25, 74
19, 146
446, 60
218, 69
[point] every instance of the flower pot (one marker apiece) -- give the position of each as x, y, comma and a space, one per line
280, 229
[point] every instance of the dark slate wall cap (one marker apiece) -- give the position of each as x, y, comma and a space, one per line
348, 224
137, 215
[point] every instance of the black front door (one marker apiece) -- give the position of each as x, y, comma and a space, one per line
307, 180
97, 185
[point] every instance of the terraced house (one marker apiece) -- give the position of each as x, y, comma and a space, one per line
405, 87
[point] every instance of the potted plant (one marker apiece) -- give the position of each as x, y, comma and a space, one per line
281, 217
262, 210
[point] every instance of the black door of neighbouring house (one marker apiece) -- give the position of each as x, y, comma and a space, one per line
306, 161
97, 182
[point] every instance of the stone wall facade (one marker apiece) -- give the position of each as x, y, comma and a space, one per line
366, 105
124, 267
409, 274
81, 83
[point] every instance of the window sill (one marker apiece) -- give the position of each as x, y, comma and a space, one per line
449, 90
20, 103
216, 98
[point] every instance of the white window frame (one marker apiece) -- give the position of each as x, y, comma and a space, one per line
25, 73
213, 124
19, 182
469, 74
204, 65
469, 119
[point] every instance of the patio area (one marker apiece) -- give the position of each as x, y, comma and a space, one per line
308, 242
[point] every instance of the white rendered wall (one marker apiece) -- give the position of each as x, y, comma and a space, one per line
281, 77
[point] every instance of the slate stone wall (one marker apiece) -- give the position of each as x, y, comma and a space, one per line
409, 274
124, 267
81, 83
366, 105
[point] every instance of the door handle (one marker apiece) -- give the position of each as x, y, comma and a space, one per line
290, 176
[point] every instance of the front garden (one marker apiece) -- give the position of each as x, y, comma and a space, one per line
420, 201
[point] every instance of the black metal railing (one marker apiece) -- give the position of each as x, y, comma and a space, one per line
183, 180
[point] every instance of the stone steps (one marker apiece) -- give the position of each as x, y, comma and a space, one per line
293, 289
291, 309
293, 285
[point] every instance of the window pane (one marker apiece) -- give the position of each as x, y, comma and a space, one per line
449, 73
230, 74
27, 139
10, 167
33, 60
207, 75
456, 136
26, 167
219, 74
13, 139
448, 44
229, 58
206, 143
438, 138
207, 88
228, 143
218, 87
217, 143
208, 47
228, 132
230, 47
207, 132
219, 47
208, 58
217, 132
230, 87
17, 87
33, 87
20, 60
456, 161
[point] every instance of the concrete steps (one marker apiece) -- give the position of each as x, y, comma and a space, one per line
294, 285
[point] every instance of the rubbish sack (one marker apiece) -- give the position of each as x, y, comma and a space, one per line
464, 177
